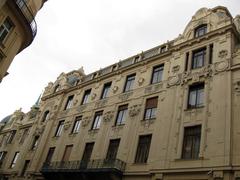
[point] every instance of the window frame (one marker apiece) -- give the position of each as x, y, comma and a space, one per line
77, 125
97, 120
35, 142
112, 150
152, 108
157, 74
5, 29
197, 89
198, 56
192, 136
106, 90
69, 102
59, 128
11, 136
14, 160
46, 116
129, 83
121, 115
200, 30
86, 96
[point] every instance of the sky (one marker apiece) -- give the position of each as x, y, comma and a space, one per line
93, 34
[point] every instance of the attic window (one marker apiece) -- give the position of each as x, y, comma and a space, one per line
57, 88
200, 30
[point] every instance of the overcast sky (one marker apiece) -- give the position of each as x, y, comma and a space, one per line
93, 34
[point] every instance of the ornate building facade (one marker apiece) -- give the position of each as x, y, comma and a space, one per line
168, 113
17, 29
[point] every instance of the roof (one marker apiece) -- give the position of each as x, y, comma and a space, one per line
6, 119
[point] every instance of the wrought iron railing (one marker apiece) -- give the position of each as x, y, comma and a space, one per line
83, 165
28, 15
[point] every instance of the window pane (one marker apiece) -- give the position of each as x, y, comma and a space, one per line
192, 98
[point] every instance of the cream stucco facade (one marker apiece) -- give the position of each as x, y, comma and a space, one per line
168, 113
17, 29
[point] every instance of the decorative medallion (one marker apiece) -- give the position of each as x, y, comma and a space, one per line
115, 89
140, 81
221, 66
222, 53
174, 80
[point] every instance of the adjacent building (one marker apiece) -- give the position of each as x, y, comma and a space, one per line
17, 29
168, 113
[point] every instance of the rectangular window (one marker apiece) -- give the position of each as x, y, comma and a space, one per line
69, 103
200, 30
35, 143
50, 155
106, 90
198, 58
87, 152
25, 167
59, 128
191, 142
77, 124
5, 29
97, 120
11, 136
129, 82
67, 153
211, 54
2, 157
45, 116
186, 61
121, 116
157, 74
113, 149
14, 161
151, 108
86, 96
196, 96
144, 143
24, 135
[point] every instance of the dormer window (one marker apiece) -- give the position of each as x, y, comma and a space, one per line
200, 30
57, 88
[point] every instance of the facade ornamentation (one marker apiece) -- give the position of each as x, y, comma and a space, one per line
134, 110
125, 96
108, 116
221, 66
174, 80
94, 95
115, 89
67, 125
86, 121
175, 68
81, 108
101, 103
153, 88
39, 130
237, 86
140, 81
222, 54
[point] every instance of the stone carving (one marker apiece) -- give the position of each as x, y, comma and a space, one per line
222, 53
147, 123
101, 103
75, 102
86, 121
134, 110
39, 130
237, 22
82, 108
140, 81
125, 96
153, 89
67, 125
108, 116
94, 95
115, 89
175, 68
118, 78
237, 86
221, 66
174, 80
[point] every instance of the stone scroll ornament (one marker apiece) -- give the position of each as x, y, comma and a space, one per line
134, 110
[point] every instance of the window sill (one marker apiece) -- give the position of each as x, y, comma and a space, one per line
140, 164
73, 134
197, 159
194, 108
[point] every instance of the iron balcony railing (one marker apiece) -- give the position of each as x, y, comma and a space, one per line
83, 165
28, 15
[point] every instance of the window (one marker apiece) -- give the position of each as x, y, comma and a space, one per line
14, 161
210, 53
5, 29
24, 135
198, 58
57, 88
191, 142
97, 120
45, 116
157, 74
87, 154
67, 153
163, 49
69, 103
143, 149
11, 136
2, 157
59, 128
200, 30
121, 116
25, 167
186, 61
77, 124
196, 96
35, 143
106, 90
151, 108
129, 82
50, 155
86, 96
113, 149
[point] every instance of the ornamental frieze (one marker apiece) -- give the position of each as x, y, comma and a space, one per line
134, 110
101, 103
125, 96
107, 117
82, 108
153, 88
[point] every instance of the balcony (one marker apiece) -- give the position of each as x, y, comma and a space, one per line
94, 169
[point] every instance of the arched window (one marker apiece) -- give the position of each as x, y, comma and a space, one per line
45, 116
200, 30
57, 88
